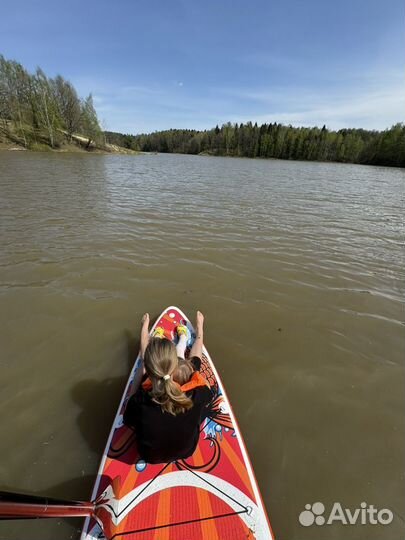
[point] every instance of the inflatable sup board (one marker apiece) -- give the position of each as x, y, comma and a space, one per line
212, 495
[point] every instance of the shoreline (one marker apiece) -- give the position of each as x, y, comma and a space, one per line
68, 149
117, 150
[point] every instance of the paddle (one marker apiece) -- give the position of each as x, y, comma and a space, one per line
18, 505
21, 506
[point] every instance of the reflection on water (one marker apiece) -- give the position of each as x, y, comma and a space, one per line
299, 268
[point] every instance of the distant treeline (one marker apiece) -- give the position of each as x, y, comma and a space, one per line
37, 110
277, 141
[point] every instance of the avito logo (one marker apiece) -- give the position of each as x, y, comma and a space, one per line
367, 514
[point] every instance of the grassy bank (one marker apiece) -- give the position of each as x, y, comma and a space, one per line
26, 138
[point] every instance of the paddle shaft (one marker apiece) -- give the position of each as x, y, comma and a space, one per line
17, 505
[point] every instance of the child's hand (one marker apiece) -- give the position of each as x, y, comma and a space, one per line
199, 319
144, 334
197, 348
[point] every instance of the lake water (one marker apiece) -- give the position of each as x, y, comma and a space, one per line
299, 270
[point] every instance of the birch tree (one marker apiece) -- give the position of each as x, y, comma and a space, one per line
68, 104
14, 95
89, 121
47, 107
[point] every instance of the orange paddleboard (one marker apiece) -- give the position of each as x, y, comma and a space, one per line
213, 495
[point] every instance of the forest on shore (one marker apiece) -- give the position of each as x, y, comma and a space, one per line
277, 141
38, 112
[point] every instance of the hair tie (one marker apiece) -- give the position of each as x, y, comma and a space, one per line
166, 377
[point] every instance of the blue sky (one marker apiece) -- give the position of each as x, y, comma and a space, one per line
159, 64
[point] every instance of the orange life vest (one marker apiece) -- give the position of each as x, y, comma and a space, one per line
195, 381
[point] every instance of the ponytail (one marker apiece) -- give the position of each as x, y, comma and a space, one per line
160, 363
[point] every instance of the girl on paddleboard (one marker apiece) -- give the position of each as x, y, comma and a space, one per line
171, 402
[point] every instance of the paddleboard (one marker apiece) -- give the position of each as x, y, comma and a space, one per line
212, 495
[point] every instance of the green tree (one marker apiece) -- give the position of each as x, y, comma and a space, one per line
14, 89
68, 104
89, 121
46, 105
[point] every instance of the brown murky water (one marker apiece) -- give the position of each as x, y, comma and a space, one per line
299, 269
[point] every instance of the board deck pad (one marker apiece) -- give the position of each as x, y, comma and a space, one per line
211, 495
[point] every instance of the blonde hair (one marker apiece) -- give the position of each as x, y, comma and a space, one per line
160, 363
183, 372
